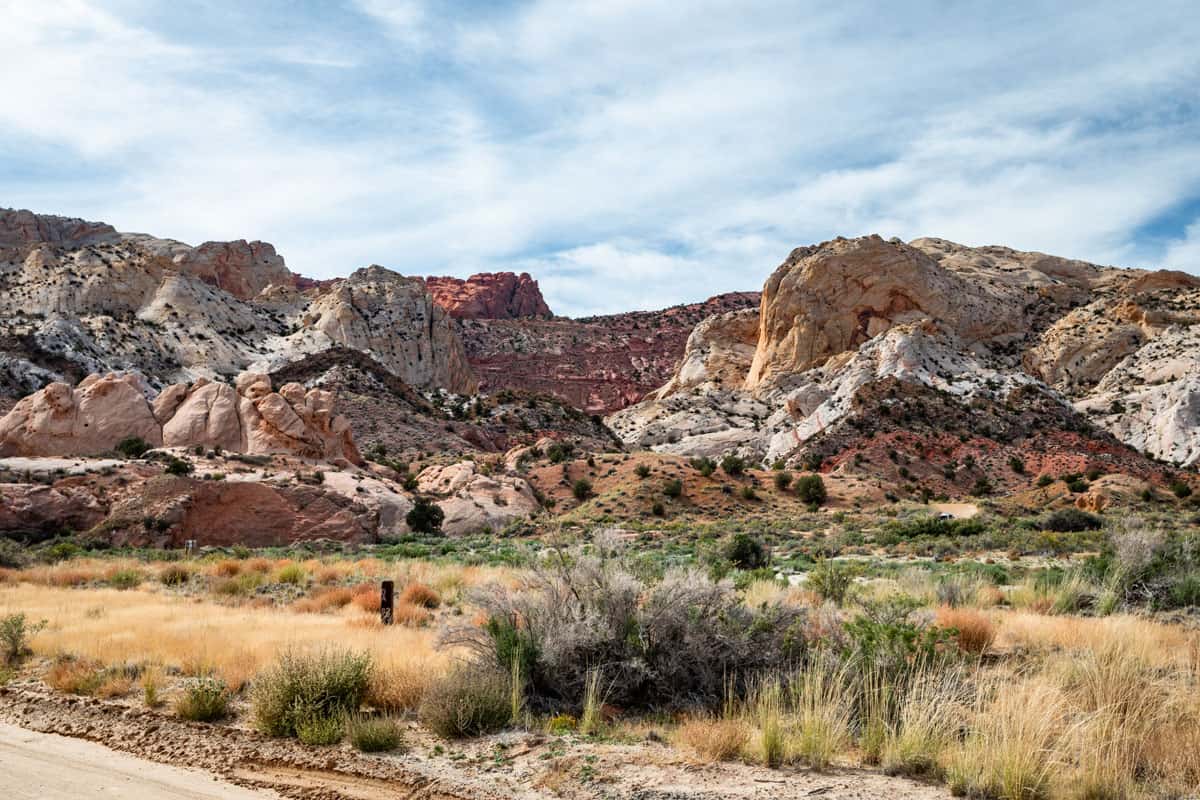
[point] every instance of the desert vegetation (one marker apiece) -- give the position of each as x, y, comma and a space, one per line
1062, 677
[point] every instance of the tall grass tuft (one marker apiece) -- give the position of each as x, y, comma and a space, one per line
822, 705
767, 710
303, 687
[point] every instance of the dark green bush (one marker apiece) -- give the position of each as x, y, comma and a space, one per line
705, 466
746, 552
374, 734
1181, 489
811, 489
733, 465
425, 516
133, 447
642, 470
783, 479
673, 488
179, 466
1071, 520
582, 489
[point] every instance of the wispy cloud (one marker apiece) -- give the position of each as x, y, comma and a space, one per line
631, 154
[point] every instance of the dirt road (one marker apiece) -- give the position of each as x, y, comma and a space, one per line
44, 766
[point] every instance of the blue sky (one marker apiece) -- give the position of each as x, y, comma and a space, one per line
629, 154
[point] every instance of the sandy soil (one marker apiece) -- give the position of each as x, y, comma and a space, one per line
959, 510
515, 764
44, 766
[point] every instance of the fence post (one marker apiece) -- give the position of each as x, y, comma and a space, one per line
387, 601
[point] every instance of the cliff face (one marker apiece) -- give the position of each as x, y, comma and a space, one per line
490, 295
597, 364
1030, 341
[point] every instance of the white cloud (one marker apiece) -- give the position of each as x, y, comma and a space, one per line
629, 154
1185, 253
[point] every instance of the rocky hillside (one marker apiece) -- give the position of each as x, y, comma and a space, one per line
79, 297
597, 364
927, 352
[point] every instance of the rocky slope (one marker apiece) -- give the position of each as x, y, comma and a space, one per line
79, 297
597, 364
1050, 362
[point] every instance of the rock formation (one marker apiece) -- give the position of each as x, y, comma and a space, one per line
474, 502
490, 295
990, 329
102, 410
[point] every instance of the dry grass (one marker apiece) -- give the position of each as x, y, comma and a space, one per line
324, 601
713, 739
75, 676
199, 637
399, 685
418, 594
411, 615
976, 633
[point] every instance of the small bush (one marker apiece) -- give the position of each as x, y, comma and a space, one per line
1044, 481
302, 686
746, 552
206, 700
733, 465
1072, 520
124, 579
1016, 465
783, 480
705, 466
133, 447
713, 740
294, 574
75, 676
673, 488
642, 470
179, 466
319, 729
15, 633
425, 516
174, 575
399, 687
811, 490
831, 580
1181, 489
418, 594
467, 702
582, 489
374, 734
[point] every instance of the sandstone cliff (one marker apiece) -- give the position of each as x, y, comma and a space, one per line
102, 410
490, 295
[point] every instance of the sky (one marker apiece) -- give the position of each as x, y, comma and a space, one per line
630, 154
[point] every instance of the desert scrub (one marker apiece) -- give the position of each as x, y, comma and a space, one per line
174, 575
205, 700
75, 676
300, 687
15, 633
374, 734
713, 739
418, 594
294, 574
319, 729
669, 642
468, 701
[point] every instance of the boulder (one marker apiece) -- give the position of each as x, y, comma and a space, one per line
473, 502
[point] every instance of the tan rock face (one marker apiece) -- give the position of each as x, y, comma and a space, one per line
833, 297
91, 418
490, 295
718, 353
252, 418
26, 508
394, 319
241, 268
473, 502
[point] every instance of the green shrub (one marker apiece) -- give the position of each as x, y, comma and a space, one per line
746, 552
705, 466
125, 579
206, 700
783, 480
1016, 465
425, 516
560, 452
467, 702
1071, 520
733, 465
374, 734
811, 489
1077, 485
831, 580
294, 574
319, 729
12, 555
133, 447
1181, 489
748, 493
642, 470
1044, 480
673, 488
174, 575
658, 509
1184, 592
581, 489
300, 687
179, 466
15, 633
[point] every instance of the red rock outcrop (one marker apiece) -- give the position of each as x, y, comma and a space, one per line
251, 418
490, 295
598, 364
20, 230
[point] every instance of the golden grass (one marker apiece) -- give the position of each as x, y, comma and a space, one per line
713, 739
201, 637
418, 594
976, 633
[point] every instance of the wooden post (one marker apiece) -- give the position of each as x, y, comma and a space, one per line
387, 601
